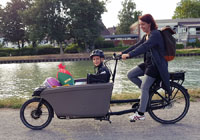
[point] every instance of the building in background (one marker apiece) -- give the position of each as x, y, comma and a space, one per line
112, 30
187, 30
122, 39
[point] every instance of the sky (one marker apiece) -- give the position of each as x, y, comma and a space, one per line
159, 9
3, 2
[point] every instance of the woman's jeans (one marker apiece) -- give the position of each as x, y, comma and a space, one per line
144, 84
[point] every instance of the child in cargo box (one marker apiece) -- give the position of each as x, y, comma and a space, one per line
102, 73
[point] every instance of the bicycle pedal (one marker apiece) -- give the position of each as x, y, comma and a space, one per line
136, 105
132, 121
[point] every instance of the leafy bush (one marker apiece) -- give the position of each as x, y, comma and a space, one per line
104, 44
191, 44
179, 46
101, 43
26, 51
47, 49
7, 51
197, 43
115, 49
120, 44
2, 54
40, 50
194, 44
1, 45
108, 44
73, 48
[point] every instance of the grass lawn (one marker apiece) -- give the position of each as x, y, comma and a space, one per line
188, 51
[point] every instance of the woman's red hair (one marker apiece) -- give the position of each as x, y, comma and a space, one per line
150, 20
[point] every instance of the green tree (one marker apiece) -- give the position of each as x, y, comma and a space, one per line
46, 19
11, 25
1, 18
127, 16
187, 9
85, 21
61, 20
34, 25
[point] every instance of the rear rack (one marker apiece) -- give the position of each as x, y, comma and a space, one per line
177, 76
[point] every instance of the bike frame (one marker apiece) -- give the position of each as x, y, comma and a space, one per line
117, 58
136, 101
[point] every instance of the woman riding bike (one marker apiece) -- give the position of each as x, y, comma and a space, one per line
154, 65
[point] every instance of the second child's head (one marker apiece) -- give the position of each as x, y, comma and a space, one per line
97, 56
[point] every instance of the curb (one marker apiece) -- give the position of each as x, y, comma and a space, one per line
69, 59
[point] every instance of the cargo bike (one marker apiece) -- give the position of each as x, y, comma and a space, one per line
94, 100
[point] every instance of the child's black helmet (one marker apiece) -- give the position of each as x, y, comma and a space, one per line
97, 53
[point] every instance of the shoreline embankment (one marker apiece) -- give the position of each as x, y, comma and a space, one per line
64, 57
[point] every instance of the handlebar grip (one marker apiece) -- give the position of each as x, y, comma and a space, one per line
115, 56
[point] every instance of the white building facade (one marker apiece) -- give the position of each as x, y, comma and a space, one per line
187, 30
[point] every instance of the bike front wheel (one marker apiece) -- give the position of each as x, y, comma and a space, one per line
166, 111
36, 114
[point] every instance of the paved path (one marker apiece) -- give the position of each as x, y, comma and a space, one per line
11, 128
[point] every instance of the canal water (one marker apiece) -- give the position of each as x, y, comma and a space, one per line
20, 80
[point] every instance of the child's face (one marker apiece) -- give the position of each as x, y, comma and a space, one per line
97, 60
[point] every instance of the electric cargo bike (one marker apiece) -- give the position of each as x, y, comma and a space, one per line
94, 100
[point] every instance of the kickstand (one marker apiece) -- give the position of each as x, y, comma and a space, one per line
106, 118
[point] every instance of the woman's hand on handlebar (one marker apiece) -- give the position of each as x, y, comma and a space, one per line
125, 56
121, 56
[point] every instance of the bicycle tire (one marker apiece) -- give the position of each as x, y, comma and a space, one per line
30, 118
162, 112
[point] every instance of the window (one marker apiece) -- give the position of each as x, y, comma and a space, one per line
198, 30
184, 30
192, 31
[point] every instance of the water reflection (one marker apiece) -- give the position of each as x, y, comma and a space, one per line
21, 79
192, 67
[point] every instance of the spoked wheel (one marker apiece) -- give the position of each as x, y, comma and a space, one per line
169, 111
36, 114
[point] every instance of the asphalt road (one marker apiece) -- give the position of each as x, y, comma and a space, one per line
11, 128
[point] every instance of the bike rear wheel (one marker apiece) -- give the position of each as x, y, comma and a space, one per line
169, 112
36, 114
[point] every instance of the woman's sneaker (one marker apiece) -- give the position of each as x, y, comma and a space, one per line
136, 117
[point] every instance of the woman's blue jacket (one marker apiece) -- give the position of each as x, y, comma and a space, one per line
155, 43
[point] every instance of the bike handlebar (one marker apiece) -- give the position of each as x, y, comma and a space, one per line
117, 57
114, 57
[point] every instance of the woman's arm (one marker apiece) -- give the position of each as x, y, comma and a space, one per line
134, 46
142, 48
